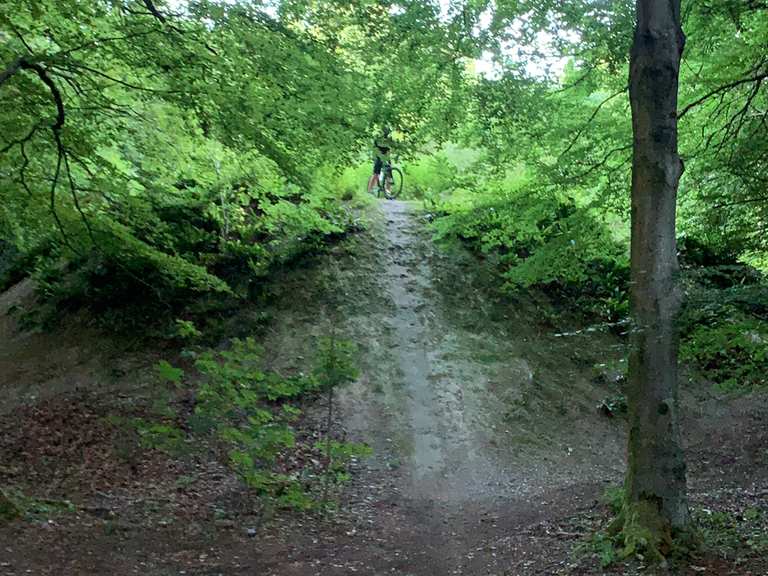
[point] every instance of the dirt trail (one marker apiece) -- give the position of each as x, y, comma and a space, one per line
456, 372
445, 455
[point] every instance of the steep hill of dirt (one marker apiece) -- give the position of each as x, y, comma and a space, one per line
489, 454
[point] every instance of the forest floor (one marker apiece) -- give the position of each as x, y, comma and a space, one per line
489, 455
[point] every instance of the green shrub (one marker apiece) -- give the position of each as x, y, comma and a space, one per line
251, 412
613, 497
732, 352
150, 259
732, 534
15, 504
545, 240
13, 264
9, 508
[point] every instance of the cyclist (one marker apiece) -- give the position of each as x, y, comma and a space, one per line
381, 149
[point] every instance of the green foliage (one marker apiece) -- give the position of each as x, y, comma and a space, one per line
335, 362
724, 323
732, 534
604, 547
603, 544
722, 198
340, 454
250, 411
14, 264
15, 504
613, 405
169, 373
641, 531
637, 530
156, 432
151, 158
733, 352
544, 239
613, 497
431, 177
160, 436
352, 182
236, 400
245, 408
187, 330
9, 508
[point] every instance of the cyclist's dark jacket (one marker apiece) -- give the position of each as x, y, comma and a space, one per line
381, 148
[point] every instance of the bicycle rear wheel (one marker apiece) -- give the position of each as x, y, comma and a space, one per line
393, 184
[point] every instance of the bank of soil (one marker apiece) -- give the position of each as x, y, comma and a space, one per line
490, 456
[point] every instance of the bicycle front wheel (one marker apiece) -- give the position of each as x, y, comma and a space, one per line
393, 184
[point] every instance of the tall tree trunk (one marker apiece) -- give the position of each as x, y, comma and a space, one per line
656, 506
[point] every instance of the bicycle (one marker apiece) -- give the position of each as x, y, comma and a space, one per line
390, 182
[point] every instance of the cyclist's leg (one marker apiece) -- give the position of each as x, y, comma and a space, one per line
388, 177
373, 181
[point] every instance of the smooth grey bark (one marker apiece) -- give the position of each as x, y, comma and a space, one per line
656, 483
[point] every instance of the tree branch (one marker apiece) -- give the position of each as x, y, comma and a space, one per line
154, 11
52, 193
589, 121
70, 65
11, 69
73, 188
21, 141
724, 88
42, 73
602, 162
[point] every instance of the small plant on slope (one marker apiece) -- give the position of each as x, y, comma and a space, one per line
251, 411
